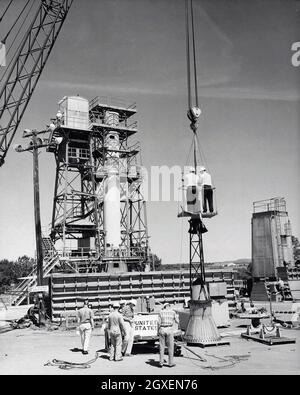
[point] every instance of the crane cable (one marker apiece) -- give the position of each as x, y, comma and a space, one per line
192, 68
16, 21
5, 11
18, 47
190, 32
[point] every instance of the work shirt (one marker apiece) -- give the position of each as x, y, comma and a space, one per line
167, 318
205, 179
85, 315
191, 180
280, 283
127, 313
115, 322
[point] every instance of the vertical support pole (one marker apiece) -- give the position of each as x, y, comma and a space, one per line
37, 214
191, 264
52, 235
66, 170
92, 171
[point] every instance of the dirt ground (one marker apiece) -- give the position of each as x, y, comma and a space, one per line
26, 351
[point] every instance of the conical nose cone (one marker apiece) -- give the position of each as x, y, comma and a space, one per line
201, 328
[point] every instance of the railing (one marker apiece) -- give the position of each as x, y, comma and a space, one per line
95, 119
197, 204
112, 102
79, 253
50, 260
274, 204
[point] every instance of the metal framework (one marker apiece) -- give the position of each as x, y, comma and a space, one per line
197, 269
78, 209
271, 237
27, 67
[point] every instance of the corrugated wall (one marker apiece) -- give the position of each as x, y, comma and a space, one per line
67, 291
262, 246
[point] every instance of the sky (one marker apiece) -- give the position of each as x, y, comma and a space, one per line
249, 93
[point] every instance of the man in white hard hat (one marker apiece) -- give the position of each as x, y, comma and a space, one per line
116, 328
192, 183
167, 319
206, 184
128, 315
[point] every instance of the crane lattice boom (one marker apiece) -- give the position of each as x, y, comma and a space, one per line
27, 67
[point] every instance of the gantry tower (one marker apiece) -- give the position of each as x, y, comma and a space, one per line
99, 212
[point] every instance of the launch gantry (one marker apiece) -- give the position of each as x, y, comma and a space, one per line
99, 212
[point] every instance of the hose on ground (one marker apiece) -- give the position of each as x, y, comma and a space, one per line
72, 365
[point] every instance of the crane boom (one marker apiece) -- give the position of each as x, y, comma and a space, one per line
27, 67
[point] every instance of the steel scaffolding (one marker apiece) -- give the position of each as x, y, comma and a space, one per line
82, 163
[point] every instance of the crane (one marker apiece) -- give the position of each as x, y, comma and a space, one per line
28, 62
201, 328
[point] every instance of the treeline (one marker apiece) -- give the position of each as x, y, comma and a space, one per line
11, 271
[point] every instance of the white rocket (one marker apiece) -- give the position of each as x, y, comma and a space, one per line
112, 205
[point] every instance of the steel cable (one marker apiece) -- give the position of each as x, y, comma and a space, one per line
16, 21
5, 11
13, 41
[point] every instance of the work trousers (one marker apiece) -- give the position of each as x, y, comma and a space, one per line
166, 336
115, 351
85, 331
128, 339
208, 198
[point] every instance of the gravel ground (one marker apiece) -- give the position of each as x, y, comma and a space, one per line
26, 351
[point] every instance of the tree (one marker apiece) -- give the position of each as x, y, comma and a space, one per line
155, 261
11, 271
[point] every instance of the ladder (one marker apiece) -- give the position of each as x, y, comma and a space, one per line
278, 236
51, 259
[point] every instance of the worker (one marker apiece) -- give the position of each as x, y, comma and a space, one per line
206, 185
192, 184
116, 328
85, 318
33, 311
196, 226
167, 318
122, 304
41, 310
280, 287
128, 315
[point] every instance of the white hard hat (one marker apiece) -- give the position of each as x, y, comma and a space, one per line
166, 304
123, 302
133, 302
202, 168
192, 170
116, 304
